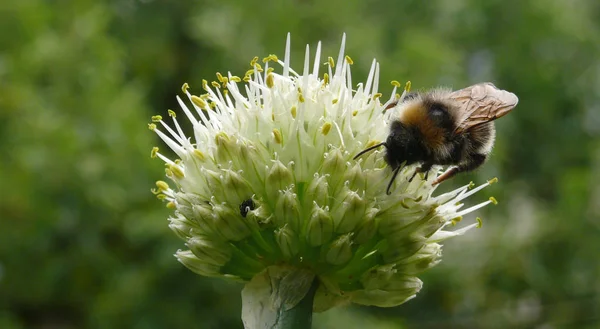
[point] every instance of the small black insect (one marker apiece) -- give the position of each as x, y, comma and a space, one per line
246, 206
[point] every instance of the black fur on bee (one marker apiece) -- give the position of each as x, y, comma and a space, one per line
444, 127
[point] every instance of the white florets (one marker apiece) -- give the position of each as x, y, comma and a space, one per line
282, 144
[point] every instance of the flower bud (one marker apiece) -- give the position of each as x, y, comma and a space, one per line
189, 260
318, 190
388, 290
427, 257
368, 227
278, 179
396, 220
235, 183
287, 241
205, 218
209, 251
340, 250
185, 203
356, 178
349, 212
229, 223
286, 211
401, 247
320, 226
180, 226
214, 184
227, 148
335, 166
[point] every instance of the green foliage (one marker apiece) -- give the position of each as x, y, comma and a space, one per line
83, 243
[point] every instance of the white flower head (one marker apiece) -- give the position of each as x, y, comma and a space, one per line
268, 179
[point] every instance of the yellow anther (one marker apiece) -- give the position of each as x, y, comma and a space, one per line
456, 220
219, 77
270, 82
471, 185
396, 83
254, 60
325, 79
205, 84
377, 95
354, 113
270, 58
330, 61
199, 155
162, 185
151, 126
156, 118
249, 72
198, 101
349, 60
335, 101
161, 197
272, 116
154, 152
235, 78
293, 112
185, 87
479, 222
205, 96
177, 171
407, 86
247, 78
277, 136
493, 180
300, 98
171, 205
326, 128
215, 84
172, 113
270, 69
493, 200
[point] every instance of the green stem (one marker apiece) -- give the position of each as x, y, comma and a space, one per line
280, 297
299, 316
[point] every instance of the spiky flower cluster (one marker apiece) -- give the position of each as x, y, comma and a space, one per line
268, 179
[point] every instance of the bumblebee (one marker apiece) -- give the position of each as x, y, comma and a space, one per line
444, 127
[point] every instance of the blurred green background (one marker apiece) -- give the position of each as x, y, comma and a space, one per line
84, 244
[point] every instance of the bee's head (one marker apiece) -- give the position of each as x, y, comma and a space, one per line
403, 144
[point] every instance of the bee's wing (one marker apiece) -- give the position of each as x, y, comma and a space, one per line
481, 103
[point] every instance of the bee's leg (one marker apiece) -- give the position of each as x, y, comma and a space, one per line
473, 161
413, 175
426, 167
388, 191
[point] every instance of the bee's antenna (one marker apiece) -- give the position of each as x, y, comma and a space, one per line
369, 149
387, 191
